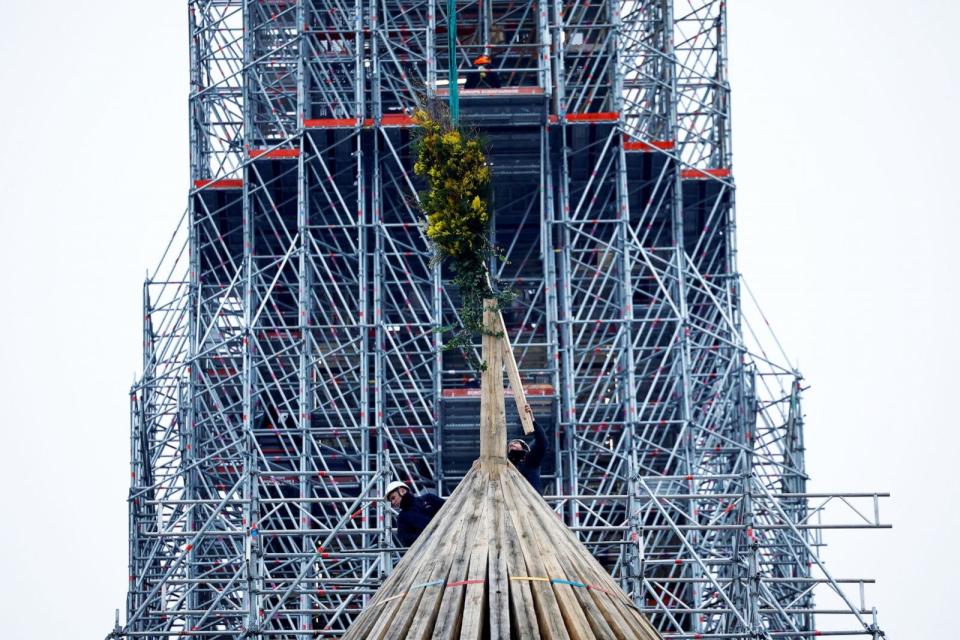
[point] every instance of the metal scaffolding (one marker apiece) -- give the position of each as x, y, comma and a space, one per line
291, 354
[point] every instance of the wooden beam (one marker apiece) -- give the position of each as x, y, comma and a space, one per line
540, 555
474, 604
526, 417
450, 616
493, 421
523, 610
375, 621
519, 397
498, 587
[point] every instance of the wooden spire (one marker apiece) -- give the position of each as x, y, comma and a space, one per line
496, 562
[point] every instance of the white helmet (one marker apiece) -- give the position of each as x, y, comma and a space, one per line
393, 486
523, 444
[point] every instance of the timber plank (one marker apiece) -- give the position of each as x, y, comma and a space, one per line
606, 581
605, 617
380, 612
522, 604
544, 597
450, 614
612, 599
498, 597
516, 384
452, 505
532, 520
424, 613
471, 625
424, 595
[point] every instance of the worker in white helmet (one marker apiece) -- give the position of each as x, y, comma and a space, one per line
416, 512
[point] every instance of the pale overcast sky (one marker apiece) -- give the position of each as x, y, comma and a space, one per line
843, 136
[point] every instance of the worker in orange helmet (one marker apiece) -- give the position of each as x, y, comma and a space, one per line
483, 77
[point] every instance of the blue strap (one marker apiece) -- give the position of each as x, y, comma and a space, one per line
569, 582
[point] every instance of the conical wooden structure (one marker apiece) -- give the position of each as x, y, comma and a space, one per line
496, 562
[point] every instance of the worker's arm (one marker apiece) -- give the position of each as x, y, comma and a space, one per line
539, 448
405, 533
434, 500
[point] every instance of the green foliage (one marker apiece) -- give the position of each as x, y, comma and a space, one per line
458, 187
456, 205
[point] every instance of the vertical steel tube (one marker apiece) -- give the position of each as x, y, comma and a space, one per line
304, 295
252, 585
376, 208
625, 292
688, 454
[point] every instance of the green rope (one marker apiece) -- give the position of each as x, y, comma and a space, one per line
452, 47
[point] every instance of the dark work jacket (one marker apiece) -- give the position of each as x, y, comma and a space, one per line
415, 514
529, 467
485, 79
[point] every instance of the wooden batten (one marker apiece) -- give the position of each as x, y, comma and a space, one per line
516, 384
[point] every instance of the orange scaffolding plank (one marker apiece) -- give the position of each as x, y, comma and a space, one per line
388, 120
598, 116
647, 147
274, 154
329, 123
699, 174
222, 183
